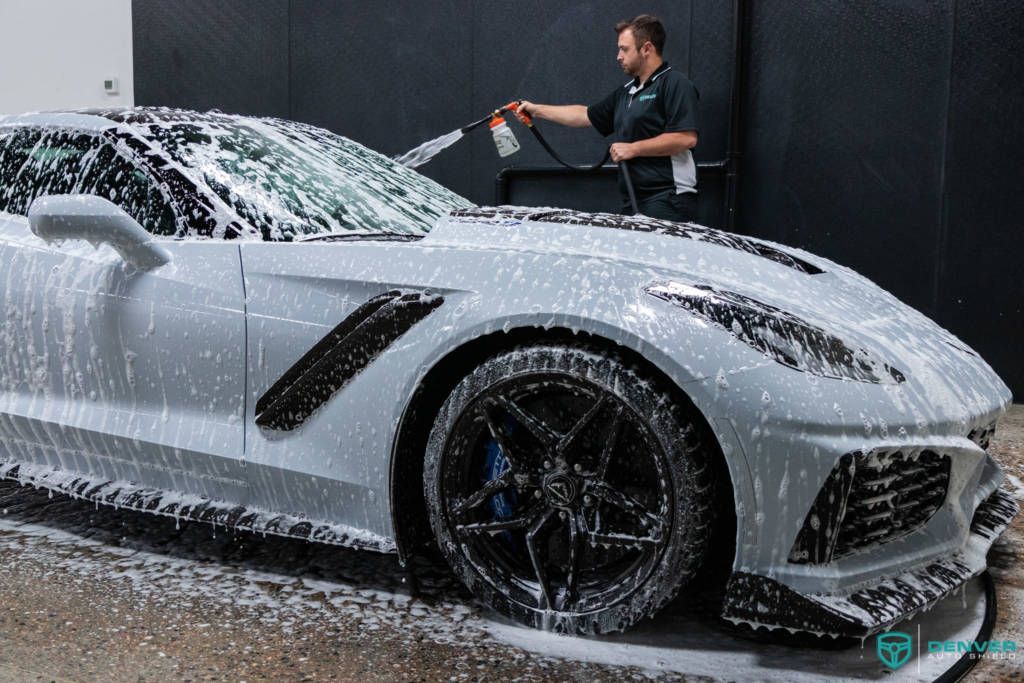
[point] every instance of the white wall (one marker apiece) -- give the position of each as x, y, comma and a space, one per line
55, 54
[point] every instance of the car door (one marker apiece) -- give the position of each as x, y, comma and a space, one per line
296, 295
107, 371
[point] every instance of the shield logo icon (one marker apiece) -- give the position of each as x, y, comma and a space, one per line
893, 648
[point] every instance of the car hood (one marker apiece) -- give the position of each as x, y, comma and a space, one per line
787, 278
814, 289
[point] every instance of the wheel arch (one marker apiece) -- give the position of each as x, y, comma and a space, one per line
408, 508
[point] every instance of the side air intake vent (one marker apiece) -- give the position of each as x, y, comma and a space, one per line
870, 499
983, 435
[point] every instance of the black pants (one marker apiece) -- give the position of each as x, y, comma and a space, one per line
667, 205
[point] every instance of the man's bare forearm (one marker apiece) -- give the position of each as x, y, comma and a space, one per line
574, 115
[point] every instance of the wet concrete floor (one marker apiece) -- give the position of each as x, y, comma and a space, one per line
97, 594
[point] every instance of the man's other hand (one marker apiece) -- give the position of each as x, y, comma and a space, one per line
664, 145
623, 151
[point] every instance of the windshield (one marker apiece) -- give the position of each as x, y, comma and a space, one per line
292, 180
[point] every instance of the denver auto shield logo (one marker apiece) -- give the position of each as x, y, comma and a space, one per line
894, 648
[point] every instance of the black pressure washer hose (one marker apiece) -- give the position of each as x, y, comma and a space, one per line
554, 155
969, 660
622, 164
527, 121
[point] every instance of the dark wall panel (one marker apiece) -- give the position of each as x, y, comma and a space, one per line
389, 75
844, 134
710, 56
980, 290
392, 75
212, 54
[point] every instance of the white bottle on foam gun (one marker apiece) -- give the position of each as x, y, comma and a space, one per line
504, 138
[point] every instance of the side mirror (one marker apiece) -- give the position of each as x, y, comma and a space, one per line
98, 221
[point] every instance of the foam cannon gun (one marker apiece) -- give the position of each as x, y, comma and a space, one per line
506, 143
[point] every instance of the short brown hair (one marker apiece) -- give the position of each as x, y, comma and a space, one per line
645, 28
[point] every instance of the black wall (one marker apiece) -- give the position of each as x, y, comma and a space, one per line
885, 135
890, 137
394, 74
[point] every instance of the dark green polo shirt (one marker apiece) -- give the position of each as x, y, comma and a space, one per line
666, 103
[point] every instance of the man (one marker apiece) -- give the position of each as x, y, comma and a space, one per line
654, 119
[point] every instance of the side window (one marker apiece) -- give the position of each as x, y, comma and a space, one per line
64, 162
15, 146
50, 166
113, 177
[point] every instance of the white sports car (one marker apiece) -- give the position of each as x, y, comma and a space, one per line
277, 329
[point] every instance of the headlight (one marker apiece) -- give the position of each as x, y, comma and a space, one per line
782, 336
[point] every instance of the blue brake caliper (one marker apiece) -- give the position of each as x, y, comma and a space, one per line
502, 504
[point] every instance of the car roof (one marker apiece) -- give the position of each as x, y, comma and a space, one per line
59, 120
103, 119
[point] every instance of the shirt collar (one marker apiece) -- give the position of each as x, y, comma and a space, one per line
635, 85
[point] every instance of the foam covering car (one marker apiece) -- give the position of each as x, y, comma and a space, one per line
261, 324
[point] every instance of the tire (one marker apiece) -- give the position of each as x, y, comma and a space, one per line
568, 490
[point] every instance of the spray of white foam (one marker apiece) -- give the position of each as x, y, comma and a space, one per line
420, 155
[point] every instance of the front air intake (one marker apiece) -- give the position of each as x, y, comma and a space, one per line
870, 499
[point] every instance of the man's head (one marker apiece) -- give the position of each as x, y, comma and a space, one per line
641, 40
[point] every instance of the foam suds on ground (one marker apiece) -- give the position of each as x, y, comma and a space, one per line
281, 587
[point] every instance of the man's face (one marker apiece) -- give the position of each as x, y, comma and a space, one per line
630, 58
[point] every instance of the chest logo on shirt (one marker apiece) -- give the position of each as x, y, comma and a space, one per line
647, 96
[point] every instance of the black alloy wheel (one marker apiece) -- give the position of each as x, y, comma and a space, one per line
566, 490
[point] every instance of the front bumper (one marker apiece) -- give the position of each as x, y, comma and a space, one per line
762, 601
